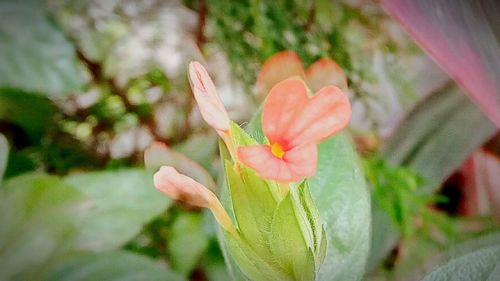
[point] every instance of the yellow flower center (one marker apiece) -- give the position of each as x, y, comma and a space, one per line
277, 150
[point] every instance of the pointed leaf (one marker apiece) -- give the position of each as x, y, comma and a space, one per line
343, 200
286, 231
312, 215
252, 265
462, 36
253, 206
322, 247
225, 198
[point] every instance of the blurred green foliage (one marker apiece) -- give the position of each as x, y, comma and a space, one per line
36, 56
398, 191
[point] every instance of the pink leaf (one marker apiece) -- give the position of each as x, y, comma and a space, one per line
462, 37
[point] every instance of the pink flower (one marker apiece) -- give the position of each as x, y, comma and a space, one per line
287, 64
294, 124
183, 188
278, 67
210, 105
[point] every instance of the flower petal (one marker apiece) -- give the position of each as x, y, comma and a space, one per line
277, 68
325, 72
183, 188
291, 168
302, 159
284, 102
210, 105
326, 113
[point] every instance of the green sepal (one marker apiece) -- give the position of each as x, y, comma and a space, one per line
288, 244
322, 249
253, 207
239, 136
309, 271
315, 224
253, 266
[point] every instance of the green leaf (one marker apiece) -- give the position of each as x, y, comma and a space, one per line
4, 155
34, 114
35, 55
110, 266
438, 135
122, 202
37, 218
343, 200
480, 265
187, 242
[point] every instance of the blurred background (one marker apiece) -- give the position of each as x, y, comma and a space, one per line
87, 85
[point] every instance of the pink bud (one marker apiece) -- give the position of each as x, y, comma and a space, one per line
210, 105
183, 188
